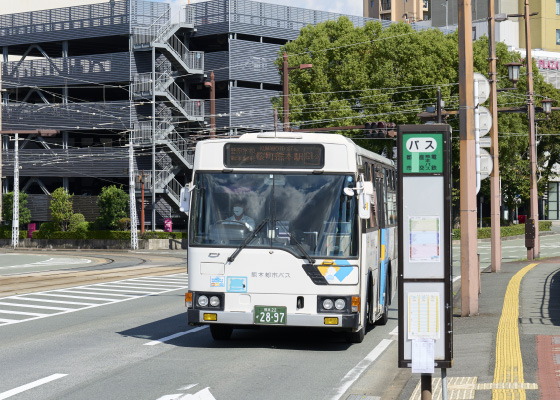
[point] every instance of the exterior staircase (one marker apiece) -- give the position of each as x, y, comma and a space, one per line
175, 152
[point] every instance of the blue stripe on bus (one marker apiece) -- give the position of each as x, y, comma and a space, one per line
383, 264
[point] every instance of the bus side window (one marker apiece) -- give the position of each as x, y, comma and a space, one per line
379, 185
373, 217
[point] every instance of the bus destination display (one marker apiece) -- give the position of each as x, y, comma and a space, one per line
255, 155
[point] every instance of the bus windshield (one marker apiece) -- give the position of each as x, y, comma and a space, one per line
300, 210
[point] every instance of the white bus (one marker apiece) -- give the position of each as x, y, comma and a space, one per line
290, 229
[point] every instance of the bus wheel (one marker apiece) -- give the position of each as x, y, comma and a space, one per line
221, 332
356, 337
385, 316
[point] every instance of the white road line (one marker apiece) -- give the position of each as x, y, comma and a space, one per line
124, 285
92, 292
176, 280
134, 294
31, 385
117, 290
34, 306
54, 301
355, 372
69, 296
142, 285
176, 335
21, 313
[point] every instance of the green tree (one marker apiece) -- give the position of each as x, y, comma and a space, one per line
113, 206
8, 208
370, 73
61, 208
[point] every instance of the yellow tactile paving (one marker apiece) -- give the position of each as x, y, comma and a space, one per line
509, 363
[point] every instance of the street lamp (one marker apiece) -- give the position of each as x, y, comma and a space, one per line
546, 106
285, 88
532, 242
513, 72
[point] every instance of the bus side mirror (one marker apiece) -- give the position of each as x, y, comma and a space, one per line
365, 193
185, 200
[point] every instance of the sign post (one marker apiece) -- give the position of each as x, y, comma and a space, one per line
424, 209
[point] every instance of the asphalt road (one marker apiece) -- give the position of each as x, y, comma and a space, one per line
512, 250
129, 340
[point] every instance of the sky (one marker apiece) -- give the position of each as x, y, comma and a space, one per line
350, 7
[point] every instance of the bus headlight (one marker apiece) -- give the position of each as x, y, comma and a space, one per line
214, 301
202, 300
340, 304
335, 304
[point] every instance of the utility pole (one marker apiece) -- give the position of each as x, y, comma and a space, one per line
132, 196
1, 140
286, 88
495, 195
15, 205
285, 92
532, 252
469, 257
212, 86
142, 207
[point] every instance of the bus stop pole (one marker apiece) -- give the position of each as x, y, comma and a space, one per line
426, 386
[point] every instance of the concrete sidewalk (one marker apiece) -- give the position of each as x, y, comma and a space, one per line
499, 351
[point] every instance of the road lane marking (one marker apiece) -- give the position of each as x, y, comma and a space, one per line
176, 335
124, 285
69, 296
73, 306
204, 394
31, 385
509, 362
105, 294
119, 290
357, 371
52, 301
34, 306
21, 313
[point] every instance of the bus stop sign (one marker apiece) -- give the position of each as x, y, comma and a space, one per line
424, 229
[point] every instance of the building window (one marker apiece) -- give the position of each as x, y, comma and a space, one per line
553, 200
557, 36
372, 3
557, 7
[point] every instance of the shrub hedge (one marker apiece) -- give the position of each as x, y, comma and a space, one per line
104, 235
6, 232
511, 230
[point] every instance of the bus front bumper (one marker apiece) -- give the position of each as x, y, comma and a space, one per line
196, 317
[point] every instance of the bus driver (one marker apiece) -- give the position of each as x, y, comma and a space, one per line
239, 216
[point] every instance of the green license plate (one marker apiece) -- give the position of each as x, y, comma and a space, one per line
270, 315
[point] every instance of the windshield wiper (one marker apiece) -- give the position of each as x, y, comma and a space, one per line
247, 240
297, 243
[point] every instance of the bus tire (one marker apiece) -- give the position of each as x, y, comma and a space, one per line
221, 332
370, 316
384, 318
356, 337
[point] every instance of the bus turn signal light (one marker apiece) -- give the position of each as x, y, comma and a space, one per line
188, 299
356, 303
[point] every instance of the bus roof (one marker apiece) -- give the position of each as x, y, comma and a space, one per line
302, 137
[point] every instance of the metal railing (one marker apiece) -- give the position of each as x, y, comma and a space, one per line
165, 134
